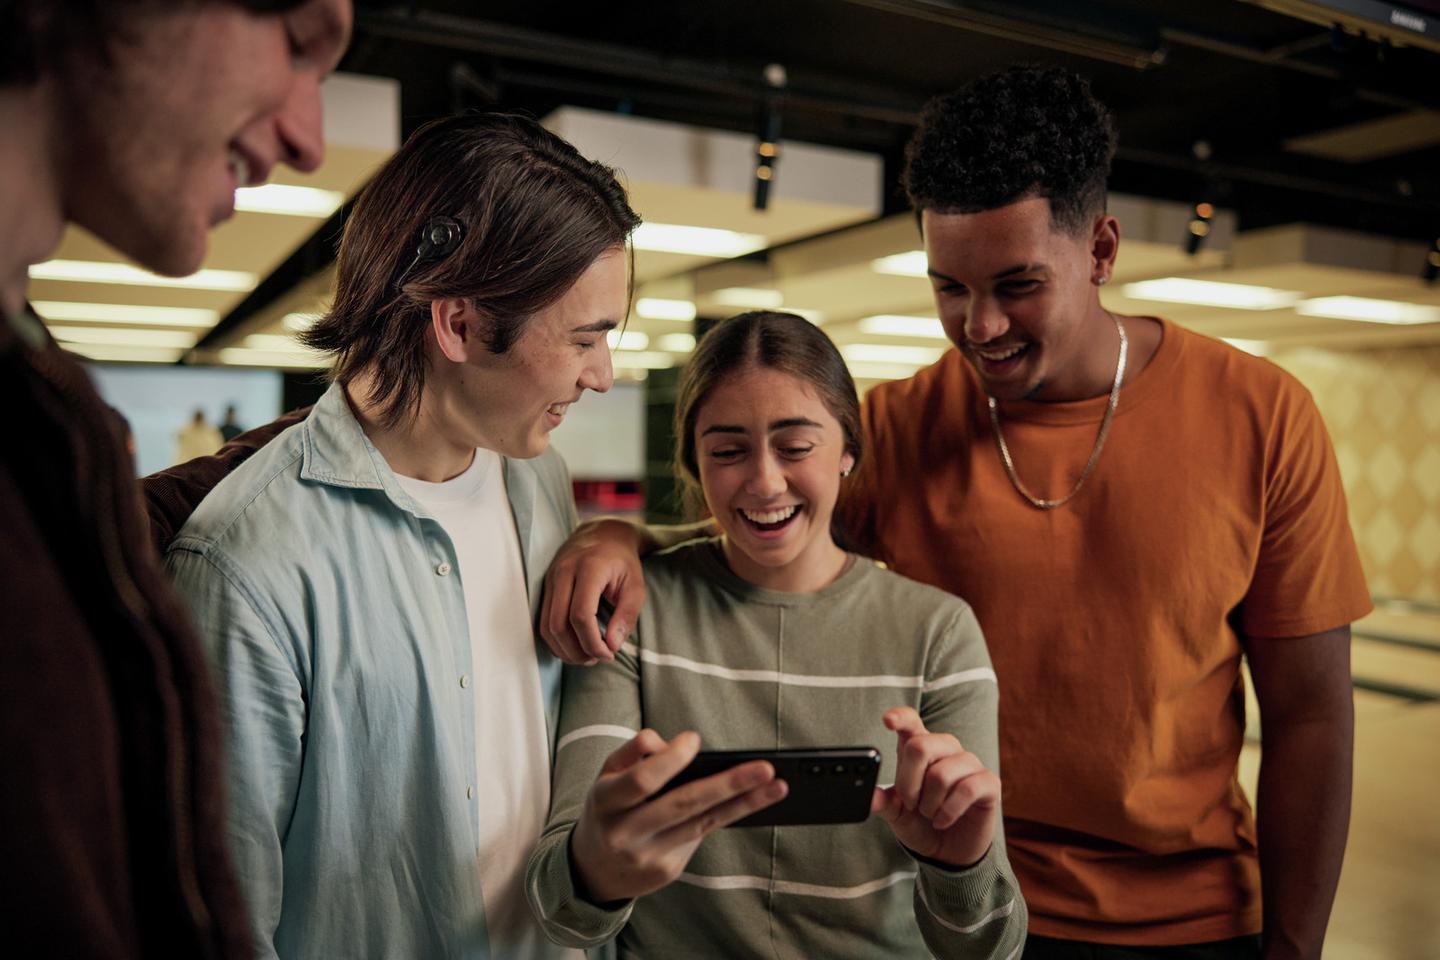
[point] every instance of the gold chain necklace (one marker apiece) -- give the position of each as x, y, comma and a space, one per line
1039, 502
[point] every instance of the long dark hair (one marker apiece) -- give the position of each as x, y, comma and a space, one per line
775, 341
535, 215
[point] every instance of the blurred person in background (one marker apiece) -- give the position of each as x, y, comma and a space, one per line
198, 439
136, 120
230, 427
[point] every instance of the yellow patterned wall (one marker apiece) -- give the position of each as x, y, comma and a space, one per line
1383, 411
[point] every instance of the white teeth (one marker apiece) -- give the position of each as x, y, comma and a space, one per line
558, 409
240, 168
769, 516
1003, 355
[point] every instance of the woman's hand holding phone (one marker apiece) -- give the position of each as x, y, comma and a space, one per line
944, 803
629, 842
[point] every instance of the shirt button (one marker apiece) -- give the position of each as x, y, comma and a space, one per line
469, 793
443, 569
465, 680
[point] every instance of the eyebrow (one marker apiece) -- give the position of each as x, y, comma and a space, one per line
599, 326
1007, 272
774, 425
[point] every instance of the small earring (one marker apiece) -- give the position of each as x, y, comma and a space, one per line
845, 472
1101, 280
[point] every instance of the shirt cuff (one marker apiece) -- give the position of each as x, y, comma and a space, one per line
564, 911
959, 891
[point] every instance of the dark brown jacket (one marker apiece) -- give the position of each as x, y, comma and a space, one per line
112, 822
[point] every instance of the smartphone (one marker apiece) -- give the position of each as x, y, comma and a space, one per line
827, 784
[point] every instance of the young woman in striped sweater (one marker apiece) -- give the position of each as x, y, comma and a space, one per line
772, 635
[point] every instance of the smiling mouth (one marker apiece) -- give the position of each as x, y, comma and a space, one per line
768, 521
1000, 355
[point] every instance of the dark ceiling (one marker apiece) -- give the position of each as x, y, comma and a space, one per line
1240, 78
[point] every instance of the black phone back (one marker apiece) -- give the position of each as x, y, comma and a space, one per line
827, 784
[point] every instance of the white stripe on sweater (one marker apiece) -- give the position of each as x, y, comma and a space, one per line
997, 914
808, 680
594, 730
791, 887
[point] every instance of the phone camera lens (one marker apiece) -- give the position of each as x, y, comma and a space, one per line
839, 769
816, 769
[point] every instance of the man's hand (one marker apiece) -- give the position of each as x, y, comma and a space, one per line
944, 803
601, 559
627, 844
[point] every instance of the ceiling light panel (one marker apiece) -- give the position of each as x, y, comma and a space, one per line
756, 298
627, 340
1208, 293
894, 325
695, 241
1368, 310
127, 313
288, 200
658, 308
132, 354
911, 264
107, 271
119, 336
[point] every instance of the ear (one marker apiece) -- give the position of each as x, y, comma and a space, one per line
847, 463
1104, 246
455, 326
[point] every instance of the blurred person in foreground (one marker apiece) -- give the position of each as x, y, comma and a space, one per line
1130, 508
367, 582
136, 121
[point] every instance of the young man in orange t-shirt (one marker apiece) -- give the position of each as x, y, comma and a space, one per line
1129, 507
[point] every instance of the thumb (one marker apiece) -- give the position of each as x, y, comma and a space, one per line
629, 598
885, 803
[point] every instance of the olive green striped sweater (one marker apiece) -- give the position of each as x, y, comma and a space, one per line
752, 668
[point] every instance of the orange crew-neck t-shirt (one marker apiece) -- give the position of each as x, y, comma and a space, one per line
1215, 507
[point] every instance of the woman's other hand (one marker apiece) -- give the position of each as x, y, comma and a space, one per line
944, 802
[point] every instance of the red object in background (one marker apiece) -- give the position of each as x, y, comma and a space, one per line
608, 496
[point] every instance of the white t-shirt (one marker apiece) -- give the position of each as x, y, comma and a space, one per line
512, 741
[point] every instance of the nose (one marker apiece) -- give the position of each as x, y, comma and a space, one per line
984, 320
766, 478
599, 373
300, 126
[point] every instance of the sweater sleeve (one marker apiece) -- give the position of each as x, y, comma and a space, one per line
977, 911
600, 710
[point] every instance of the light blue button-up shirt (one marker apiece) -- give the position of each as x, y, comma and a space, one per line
329, 603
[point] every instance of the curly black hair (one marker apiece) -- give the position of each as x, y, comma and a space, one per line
1023, 132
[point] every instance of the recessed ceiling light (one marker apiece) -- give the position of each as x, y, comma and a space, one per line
891, 353
289, 200
1372, 311
627, 340
658, 308
756, 298
675, 342
132, 354
696, 241
127, 313
119, 335
109, 271
894, 325
912, 264
1209, 293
